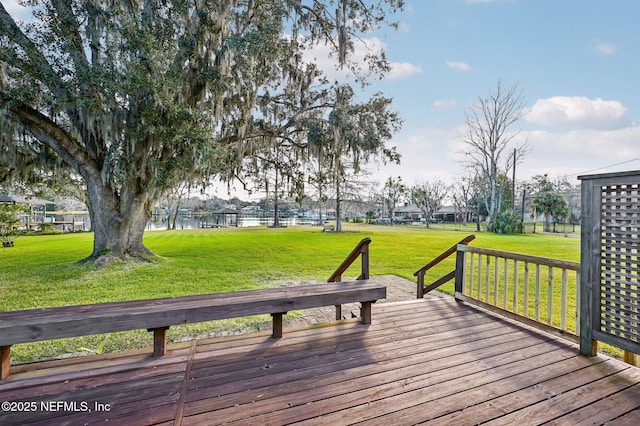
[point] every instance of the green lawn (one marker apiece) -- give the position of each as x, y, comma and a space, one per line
41, 271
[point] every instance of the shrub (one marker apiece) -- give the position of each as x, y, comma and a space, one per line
507, 222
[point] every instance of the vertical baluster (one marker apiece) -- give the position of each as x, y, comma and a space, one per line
479, 275
495, 282
563, 302
515, 286
537, 292
487, 277
550, 297
506, 284
471, 272
577, 308
526, 289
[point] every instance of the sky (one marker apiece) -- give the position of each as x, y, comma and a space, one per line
576, 62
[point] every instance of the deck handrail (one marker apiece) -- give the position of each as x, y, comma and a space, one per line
420, 273
513, 284
362, 248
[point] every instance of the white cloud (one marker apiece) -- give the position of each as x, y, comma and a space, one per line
321, 56
444, 104
582, 152
604, 48
431, 153
402, 70
576, 111
424, 156
459, 66
403, 27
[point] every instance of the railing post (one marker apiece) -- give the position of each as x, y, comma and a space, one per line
365, 262
459, 277
589, 260
362, 249
421, 273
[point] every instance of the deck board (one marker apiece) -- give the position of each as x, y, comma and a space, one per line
432, 361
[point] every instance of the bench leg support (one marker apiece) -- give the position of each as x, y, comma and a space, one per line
338, 312
365, 313
159, 341
5, 361
277, 325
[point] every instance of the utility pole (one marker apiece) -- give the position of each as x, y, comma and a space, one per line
513, 182
524, 193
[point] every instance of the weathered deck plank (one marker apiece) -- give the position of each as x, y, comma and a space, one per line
431, 360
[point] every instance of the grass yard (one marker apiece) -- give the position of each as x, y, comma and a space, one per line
42, 271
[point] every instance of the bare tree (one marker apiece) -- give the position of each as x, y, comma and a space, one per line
463, 192
489, 142
429, 197
393, 192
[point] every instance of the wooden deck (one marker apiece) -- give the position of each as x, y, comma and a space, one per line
424, 361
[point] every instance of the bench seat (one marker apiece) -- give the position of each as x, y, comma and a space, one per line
157, 315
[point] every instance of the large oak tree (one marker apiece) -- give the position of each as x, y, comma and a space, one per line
137, 96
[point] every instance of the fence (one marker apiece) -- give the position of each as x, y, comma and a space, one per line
610, 235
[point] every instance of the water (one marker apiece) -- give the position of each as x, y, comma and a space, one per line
243, 222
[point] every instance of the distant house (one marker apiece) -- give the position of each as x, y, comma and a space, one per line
4, 198
412, 213
252, 211
408, 213
446, 214
62, 217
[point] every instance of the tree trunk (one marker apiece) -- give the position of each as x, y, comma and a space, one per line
320, 202
169, 203
493, 202
276, 219
118, 221
338, 207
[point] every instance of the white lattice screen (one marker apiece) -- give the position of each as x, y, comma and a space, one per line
619, 261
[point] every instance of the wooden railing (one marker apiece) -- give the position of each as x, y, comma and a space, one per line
420, 273
539, 291
360, 250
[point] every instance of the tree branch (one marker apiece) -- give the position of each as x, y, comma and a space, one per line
51, 135
34, 62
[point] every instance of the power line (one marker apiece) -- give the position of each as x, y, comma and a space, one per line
605, 167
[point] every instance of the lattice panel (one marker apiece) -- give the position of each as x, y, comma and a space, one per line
620, 264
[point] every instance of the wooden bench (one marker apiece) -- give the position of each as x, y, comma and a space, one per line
328, 228
157, 315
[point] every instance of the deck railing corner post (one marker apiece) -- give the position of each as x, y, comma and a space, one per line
364, 253
420, 284
459, 277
